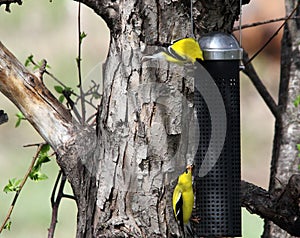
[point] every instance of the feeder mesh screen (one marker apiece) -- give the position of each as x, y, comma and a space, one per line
217, 194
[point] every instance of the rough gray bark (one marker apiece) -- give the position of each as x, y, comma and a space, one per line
285, 160
143, 118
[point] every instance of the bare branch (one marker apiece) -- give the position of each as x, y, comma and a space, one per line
251, 73
55, 202
245, 26
78, 60
281, 209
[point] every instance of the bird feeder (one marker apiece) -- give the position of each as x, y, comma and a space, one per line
217, 103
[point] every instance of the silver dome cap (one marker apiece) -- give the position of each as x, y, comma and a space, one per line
220, 46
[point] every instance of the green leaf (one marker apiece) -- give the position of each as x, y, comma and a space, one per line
58, 88
20, 117
61, 98
18, 123
82, 36
45, 148
78, 59
28, 61
13, 185
297, 101
35, 67
37, 176
35, 173
43, 159
7, 225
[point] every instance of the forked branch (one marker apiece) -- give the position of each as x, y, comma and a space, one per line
282, 209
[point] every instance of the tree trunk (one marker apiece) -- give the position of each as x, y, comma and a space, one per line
145, 116
285, 159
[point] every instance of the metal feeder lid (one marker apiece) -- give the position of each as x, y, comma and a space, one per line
220, 46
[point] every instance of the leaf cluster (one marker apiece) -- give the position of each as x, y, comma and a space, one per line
43, 158
13, 185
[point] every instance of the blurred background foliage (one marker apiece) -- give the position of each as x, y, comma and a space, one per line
49, 31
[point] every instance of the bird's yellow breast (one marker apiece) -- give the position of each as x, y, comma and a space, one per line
184, 188
188, 198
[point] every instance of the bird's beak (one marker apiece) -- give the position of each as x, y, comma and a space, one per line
190, 167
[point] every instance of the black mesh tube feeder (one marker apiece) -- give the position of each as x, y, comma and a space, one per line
217, 104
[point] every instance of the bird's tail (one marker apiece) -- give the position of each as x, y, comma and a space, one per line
188, 231
159, 55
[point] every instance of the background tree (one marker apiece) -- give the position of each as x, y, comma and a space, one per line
131, 122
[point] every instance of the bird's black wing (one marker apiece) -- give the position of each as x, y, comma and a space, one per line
173, 53
179, 211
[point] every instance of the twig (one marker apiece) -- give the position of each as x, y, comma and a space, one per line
272, 37
20, 187
71, 104
78, 60
47, 72
42, 69
245, 26
31, 145
54, 205
91, 117
55, 202
91, 92
68, 97
251, 73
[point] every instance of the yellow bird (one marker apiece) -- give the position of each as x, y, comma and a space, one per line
186, 50
183, 199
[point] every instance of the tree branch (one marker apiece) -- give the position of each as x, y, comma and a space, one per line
283, 209
49, 117
46, 114
254, 24
55, 200
251, 73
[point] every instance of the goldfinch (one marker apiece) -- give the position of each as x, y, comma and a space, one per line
183, 199
186, 50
